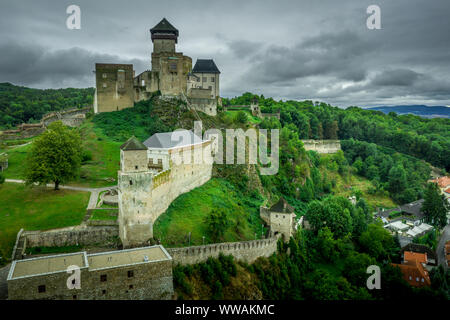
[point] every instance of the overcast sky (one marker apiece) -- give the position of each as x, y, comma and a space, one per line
300, 49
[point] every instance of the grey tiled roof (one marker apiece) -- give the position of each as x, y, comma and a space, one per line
167, 140
282, 206
133, 144
164, 26
205, 66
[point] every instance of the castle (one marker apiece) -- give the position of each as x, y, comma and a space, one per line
152, 174
171, 73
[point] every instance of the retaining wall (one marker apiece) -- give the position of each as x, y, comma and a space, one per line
79, 235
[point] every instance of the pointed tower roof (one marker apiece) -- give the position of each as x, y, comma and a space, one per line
133, 144
164, 25
164, 30
282, 206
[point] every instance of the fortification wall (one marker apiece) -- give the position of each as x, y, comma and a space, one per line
143, 196
322, 146
71, 117
247, 251
70, 236
206, 105
264, 213
114, 87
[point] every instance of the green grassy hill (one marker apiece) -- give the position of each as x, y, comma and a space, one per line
188, 212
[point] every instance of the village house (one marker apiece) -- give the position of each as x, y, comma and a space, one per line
413, 269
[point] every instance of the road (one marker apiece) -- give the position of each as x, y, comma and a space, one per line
440, 247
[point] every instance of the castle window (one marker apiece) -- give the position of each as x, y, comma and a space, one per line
136, 167
143, 82
74, 297
173, 66
131, 182
212, 79
103, 291
103, 278
198, 79
209, 87
104, 76
131, 286
204, 79
41, 288
130, 274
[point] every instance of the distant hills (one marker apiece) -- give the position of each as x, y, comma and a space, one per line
418, 110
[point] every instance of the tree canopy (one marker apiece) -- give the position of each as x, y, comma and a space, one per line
55, 156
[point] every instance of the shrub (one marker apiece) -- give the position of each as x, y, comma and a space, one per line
86, 156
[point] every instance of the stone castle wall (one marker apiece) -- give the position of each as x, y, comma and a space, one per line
70, 236
144, 196
149, 281
114, 87
322, 146
71, 117
205, 105
247, 251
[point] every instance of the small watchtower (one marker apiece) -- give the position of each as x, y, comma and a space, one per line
282, 219
133, 156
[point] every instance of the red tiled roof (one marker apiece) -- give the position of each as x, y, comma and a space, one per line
447, 190
414, 256
414, 274
443, 182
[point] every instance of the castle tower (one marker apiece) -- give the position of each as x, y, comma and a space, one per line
169, 67
134, 184
164, 37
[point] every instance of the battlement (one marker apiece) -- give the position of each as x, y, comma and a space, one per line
247, 251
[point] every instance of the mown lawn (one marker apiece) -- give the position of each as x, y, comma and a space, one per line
36, 208
188, 212
98, 172
16, 161
100, 214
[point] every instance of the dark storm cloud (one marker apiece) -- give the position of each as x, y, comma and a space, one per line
244, 48
398, 77
36, 66
288, 49
339, 55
